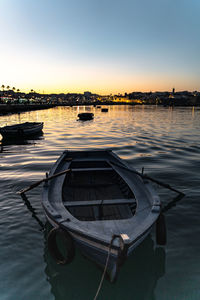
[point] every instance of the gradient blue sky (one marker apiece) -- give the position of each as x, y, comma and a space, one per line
112, 46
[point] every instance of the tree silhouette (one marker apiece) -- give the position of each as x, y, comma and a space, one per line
8, 87
3, 87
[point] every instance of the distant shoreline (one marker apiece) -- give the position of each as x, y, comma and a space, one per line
18, 108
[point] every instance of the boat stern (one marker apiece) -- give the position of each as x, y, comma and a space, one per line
108, 257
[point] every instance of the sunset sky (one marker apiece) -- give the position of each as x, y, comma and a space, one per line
102, 46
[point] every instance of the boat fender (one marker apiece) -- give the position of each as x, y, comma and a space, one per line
122, 256
53, 247
122, 253
161, 233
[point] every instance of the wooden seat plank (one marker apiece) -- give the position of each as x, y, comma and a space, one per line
100, 202
91, 169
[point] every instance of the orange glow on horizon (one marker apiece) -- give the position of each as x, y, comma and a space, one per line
44, 75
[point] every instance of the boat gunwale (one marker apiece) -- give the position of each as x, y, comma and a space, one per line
97, 240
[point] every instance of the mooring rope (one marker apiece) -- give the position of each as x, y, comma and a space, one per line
142, 175
106, 265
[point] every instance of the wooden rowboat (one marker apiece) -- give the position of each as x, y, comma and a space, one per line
21, 130
99, 205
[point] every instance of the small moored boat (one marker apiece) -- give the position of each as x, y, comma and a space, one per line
104, 109
100, 205
86, 116
21, 130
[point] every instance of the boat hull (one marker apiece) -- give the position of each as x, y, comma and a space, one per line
86, 116
99, 256
70, 203
21, 131
102, 255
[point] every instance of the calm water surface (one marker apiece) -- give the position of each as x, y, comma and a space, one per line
166, 142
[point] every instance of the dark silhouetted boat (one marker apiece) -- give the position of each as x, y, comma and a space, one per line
104, 109
21, 130
100, 205
86, 116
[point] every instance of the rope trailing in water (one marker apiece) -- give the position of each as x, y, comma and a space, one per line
167, 186
32, 210
106, 266
172, 203
32, 186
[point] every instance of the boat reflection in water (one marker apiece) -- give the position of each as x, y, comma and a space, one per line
20, 141
80, 279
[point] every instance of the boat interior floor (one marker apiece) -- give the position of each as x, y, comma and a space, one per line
96, 192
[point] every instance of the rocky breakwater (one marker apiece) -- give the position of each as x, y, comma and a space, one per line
17, 108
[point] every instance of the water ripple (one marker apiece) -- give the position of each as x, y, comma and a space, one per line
165, 141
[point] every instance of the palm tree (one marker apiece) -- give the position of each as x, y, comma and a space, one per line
18, 90
13, 89
3, 87
8, 87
